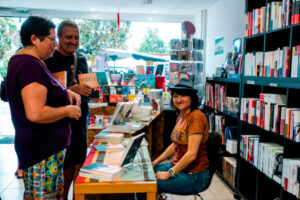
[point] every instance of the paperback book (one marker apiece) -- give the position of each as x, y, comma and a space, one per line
109, 147
109, 137
101, 171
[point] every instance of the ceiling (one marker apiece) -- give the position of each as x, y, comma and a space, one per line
133, 10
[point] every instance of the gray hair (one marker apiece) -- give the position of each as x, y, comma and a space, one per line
64, 23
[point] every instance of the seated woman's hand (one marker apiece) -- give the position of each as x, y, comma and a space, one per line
162, 175
73, 111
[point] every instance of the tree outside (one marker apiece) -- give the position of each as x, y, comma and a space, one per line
152, 43
96, 36
8, 30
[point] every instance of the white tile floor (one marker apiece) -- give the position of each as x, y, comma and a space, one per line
12, 188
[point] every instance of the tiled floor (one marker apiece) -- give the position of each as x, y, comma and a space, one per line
12, 188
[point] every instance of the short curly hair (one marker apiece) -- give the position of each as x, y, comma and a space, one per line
35, 25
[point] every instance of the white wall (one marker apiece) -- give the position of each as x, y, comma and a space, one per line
224, 18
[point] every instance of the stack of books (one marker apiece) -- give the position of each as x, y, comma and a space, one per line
142, 113
130, 127
109, 137
101, 171
231, 146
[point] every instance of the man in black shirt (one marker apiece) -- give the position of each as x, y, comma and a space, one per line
63, 59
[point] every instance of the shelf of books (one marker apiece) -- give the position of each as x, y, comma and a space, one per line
266, 102
222, 104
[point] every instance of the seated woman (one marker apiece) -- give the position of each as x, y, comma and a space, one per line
188, 172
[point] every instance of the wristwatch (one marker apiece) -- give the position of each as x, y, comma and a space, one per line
171, 172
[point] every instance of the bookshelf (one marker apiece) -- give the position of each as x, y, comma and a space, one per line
271, 73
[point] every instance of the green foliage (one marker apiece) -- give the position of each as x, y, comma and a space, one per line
8, 29
98, 35
153, 43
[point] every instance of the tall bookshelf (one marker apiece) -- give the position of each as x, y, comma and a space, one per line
265, 76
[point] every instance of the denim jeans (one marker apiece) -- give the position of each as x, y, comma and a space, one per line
185, 183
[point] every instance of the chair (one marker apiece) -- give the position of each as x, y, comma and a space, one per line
213, 153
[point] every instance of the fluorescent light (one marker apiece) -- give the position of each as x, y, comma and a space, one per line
150, 18
154, 11
92, 9
95, 16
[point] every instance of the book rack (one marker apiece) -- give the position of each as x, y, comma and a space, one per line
250, 182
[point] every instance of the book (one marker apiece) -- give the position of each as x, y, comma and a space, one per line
109, 137
116, 79
101, 78
109, 147
89, 78
124, 128
116, 118
131, 149
140, 69
61, 77
145, 81
101, 171
159, 70
150, 70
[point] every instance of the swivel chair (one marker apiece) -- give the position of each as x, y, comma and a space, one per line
213, 153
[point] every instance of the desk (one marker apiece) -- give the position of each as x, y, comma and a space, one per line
131, 181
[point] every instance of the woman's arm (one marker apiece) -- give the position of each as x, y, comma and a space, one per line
166, 154
191, 154
34, 99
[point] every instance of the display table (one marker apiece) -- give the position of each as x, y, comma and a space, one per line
135, 179
154, 130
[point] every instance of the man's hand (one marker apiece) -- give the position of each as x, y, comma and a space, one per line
82, 89
162, 175
74, 97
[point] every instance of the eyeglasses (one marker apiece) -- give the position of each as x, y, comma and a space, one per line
53, 39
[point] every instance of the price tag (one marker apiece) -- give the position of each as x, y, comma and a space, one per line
251, 82
273, 84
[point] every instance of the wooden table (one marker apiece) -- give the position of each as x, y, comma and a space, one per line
90, 186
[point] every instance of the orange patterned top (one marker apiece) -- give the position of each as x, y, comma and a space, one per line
194, 122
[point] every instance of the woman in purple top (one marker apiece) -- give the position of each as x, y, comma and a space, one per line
41, 108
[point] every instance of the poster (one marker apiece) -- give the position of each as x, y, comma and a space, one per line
219, 45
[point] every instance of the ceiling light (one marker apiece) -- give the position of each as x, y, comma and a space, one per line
150, 18
92, 9
95, 16
148, 2
154, 11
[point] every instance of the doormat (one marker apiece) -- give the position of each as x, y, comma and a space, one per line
8, 139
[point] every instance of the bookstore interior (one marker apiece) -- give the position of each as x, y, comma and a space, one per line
247, 79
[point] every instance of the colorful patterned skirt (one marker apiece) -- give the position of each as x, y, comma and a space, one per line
44, 180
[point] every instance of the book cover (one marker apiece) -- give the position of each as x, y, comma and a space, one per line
129, 79
106, 120
99, 121
109, 147
159, 70
101, 78
175, 44
115, 98
140, 69
160, 82
184, 55
61, 77
150, 70
145, 81
125, 90
102, 169
131, 149
119, 90
116, 79
89, 79
174, 67
109, 137
112, 90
